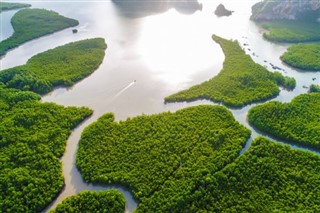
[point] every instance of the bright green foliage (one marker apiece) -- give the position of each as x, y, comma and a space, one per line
298, 121
303, 56
269, 177
240, 82
32, 138
291, 31
62, 66
29, 24
314, 88
110, 201
287, 82
162, 158
4, 6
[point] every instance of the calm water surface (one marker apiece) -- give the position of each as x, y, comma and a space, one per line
153, 51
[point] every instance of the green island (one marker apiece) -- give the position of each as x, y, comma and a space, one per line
4, 6
295, 122
111, 201
240, 82
62, 66
269, 177
303, 56
291, 31
29, 24
161, 158
32, 139
33, 134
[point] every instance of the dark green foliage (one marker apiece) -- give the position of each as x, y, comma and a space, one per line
29, 24
162, 158
4, 6
287, 82
303, 56
111, 201
314, 88
269, 177
298, 121
32, 138
62, 66
291, 31
240, 82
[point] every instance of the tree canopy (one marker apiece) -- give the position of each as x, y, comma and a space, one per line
269, 177
296, 122
303, 56
162, 158
240, 82
4, 6
29, 24
61, 66
291, 31
110, 201
32, 139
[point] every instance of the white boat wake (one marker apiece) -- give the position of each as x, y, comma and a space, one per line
124, 89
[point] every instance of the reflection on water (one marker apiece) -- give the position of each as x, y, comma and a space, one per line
141, 8
147, 59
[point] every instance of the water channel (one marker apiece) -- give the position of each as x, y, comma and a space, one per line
154, 50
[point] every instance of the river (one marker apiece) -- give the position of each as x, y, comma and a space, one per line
151, 54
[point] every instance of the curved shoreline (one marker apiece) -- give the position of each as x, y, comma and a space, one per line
72, 177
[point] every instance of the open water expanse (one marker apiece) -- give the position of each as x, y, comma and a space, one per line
154, 50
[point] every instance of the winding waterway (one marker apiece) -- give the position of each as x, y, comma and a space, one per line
151, 53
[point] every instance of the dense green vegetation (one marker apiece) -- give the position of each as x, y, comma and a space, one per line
32, 138
4, 6
303, 56
298, 121
240, 82
106, 201
29, 24
291, 31
269, 177
161, 158
314, 88
62, 66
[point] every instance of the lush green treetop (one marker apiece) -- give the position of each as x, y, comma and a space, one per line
61, 66
32, 139
240, 82
162, 158
269, 177
29, 24
291, 31
303, 56
297, 121
4, 6
110, 201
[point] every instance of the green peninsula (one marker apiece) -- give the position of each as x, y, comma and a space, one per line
240, 82
29, 24
288, 21
303, 56
269, 177
161, 158
4, 6
295, 122
32, 139
62, 66
111, 201
291, 31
